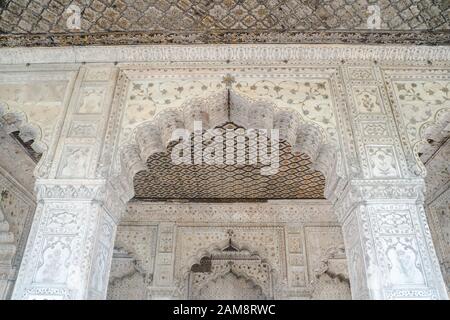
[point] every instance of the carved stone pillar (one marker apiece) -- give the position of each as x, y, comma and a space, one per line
388, 243
380, 200
163, 287
7, 251
69, 250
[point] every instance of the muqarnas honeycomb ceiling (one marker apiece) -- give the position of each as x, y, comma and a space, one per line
164, 180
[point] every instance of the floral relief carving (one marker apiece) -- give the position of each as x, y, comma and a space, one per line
361, 73
97, 74
91, 100
146, 98
311, 98
55, 260
62, 222
394, 222
420, 102
368, 100
374, 129
382, 161
75, 162
404, 262
82, 129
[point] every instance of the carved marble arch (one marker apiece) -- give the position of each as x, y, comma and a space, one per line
155, 135
229, 273
16, 121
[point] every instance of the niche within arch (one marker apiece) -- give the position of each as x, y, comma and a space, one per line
230, 273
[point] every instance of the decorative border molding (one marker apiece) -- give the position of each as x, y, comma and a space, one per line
271, 212
442, 199
413, 37
257, 54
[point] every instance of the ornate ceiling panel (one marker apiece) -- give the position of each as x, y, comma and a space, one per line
164, 180
44, 22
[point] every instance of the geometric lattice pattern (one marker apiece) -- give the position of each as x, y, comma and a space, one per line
211, 21
164, 180
130, 15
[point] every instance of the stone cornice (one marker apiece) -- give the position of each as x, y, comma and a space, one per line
250, 53
271, 212
413, 37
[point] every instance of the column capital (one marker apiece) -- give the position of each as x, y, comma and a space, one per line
362, 191
111, 196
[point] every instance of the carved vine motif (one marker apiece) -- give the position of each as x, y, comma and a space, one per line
425, 108
431, 38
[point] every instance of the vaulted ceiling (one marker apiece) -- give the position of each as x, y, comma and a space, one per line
110, 22
294, 179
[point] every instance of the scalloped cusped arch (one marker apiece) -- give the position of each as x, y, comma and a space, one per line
155, 136
15, 120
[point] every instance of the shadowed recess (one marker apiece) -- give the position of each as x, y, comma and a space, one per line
164, 180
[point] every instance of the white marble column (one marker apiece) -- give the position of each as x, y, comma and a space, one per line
69, 250
7, 251
388, 243
163, 285
380, 195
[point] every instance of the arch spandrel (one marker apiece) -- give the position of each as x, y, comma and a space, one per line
423, 106
34, 104
144, 99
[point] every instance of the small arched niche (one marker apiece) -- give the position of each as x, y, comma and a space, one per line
230, 274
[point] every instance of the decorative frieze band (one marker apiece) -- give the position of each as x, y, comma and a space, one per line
222, 52
270, 212
414, 37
